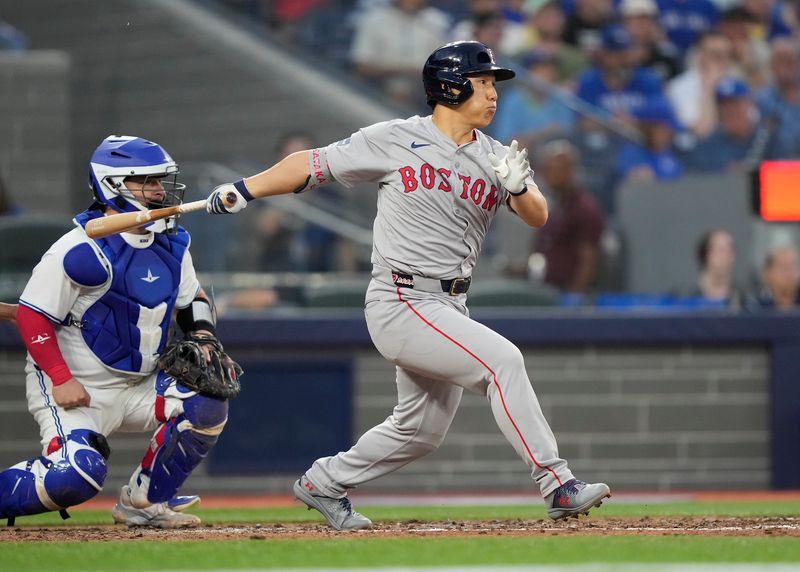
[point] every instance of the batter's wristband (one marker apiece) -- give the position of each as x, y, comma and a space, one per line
242, 188
519, 194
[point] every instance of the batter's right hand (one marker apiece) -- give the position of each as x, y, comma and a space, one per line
71, 394
225, 199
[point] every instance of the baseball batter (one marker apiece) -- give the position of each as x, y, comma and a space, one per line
441, 182
94, 318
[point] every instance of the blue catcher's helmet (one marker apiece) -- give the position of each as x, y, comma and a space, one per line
120, 157
448, 68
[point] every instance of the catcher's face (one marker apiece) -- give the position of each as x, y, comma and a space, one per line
147, 190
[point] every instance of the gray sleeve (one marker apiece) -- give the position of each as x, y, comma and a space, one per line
362, 157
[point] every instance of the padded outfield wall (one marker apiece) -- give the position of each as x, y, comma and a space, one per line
662, 401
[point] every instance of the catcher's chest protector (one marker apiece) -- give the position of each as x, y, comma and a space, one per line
126, 328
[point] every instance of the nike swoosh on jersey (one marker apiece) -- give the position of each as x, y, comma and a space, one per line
415, 145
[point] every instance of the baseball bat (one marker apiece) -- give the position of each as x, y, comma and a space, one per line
121, 222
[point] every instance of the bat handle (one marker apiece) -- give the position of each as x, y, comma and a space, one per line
229, 199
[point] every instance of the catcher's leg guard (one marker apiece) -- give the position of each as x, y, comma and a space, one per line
177, 448
70, 475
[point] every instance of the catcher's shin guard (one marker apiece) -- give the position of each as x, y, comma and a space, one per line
66, 477
177, 448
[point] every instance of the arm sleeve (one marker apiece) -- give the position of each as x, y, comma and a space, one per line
362, 157
39, 336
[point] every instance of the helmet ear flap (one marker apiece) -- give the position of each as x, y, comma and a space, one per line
448, 87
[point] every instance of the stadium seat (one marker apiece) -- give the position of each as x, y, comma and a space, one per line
506, 293
336, 293
25, 238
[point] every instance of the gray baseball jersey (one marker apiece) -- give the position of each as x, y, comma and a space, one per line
436, 201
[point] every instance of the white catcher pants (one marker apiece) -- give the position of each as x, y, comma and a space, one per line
439, 351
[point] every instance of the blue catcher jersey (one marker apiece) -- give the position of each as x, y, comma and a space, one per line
113, 298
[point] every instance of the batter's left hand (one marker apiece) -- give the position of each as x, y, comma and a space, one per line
225, 199
513, 170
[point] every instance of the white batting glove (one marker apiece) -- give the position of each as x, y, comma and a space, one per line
225, 199
513, 170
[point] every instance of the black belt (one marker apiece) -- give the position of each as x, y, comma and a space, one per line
453, 286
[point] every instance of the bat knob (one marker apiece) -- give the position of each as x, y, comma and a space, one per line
230, 198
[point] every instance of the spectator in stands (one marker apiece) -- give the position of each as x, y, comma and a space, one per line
7, 206
654, 159
716, 257
485, 14
544, 30
11, 38
780, 279
685, 21
616, 84
779, 102
750, 54
767, 19
584, 24
532, 112
390, 40
736, 144
652, 49
489, 29
313, 32
570, 241
693, 93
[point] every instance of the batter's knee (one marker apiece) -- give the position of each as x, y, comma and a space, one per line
507, 357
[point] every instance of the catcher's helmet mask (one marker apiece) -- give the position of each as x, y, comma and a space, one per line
447, 71
119, 157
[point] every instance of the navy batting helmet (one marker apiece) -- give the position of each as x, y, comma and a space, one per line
448, 68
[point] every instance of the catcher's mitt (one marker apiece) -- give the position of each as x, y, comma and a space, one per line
186, 362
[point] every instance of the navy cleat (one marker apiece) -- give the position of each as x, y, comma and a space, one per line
575, 497
338, 512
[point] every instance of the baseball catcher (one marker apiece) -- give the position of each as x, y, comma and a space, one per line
95, 318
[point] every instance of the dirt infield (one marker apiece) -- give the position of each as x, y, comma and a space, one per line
757, 526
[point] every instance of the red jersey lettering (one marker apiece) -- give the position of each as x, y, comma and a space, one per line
466, 181
491, 199
477, 191
427, 175
409, 179
445, 184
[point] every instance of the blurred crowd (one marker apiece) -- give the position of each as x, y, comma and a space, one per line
610, 93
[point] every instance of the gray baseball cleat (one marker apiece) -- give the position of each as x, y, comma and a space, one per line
338, 512
575, 497
156, 515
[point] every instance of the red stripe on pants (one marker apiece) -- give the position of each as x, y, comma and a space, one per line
494, 378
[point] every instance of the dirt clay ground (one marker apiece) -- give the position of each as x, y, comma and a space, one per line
777, 526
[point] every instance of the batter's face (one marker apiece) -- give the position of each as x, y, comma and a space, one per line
481, 106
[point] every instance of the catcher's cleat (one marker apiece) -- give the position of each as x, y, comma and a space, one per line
575, 497
156, 515
182, 503
338, 512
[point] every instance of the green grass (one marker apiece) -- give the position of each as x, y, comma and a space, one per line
342, 549
348, 551
441, 513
